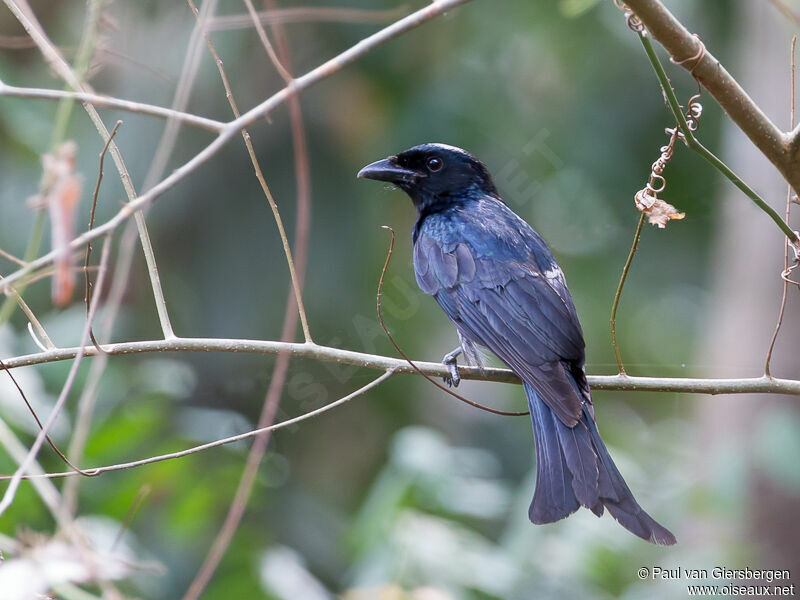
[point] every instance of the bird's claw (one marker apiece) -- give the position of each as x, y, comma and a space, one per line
450, 361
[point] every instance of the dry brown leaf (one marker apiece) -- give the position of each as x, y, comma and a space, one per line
657, 211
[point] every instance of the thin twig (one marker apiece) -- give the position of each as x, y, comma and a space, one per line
618, 294
12, 258
262, 35
221, 442
87, 280
323, 71
11, 490
110, 102
32, 318
304, 14
28, 20
287, 250
35, 416
785, 291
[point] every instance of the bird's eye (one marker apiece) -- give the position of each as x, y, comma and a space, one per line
434, 164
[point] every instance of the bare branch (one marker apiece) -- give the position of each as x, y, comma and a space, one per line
747, 385
11, 490
301, 14
778, 147
231, 129
110, 102
221, 442
28, 20
294, 310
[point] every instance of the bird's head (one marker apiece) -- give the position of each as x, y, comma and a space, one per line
434, 175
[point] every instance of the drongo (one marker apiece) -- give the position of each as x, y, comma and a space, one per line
498, 282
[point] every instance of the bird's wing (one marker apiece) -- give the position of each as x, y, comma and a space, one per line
522, 315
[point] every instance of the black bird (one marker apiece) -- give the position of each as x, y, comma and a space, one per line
498, 282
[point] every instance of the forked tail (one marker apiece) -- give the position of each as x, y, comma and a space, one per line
574, 468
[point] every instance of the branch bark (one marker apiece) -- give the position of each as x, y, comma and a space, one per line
688, 385
780, 148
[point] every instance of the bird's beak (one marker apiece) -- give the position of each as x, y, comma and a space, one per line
387, 170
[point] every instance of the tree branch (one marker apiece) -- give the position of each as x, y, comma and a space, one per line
111, 102
747, 385
216, 443
305, 14
691, 140
231, 129
780, 148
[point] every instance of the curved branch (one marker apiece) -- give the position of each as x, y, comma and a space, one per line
747, 385
216, 443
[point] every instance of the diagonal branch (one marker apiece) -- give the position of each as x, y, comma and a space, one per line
780, 148
334, 65
28, 20
682, 47
11, 490
216, 443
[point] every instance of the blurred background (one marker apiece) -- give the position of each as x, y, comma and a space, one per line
404, 492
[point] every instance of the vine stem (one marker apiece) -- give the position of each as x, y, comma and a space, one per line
785, 290
618, 294
695, 144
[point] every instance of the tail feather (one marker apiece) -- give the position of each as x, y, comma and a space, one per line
623, 506
574, 468
553, 478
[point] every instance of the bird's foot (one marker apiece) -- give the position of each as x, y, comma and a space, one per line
451, 363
